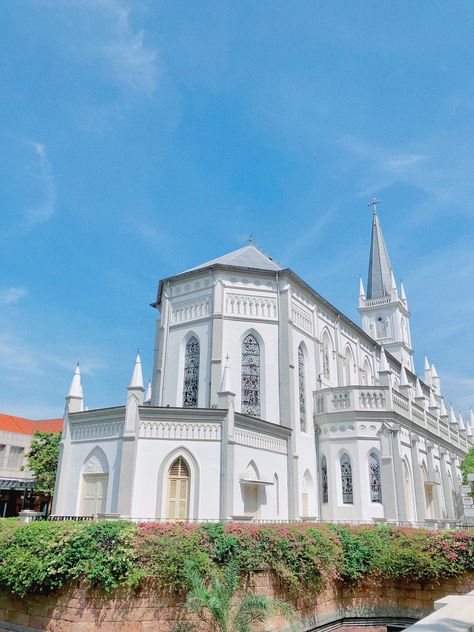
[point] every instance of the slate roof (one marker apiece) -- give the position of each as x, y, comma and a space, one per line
247, 257
379, 281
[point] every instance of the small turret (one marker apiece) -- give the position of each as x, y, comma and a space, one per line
384, 367
403, 296
147, 399
427, 378
461, 426
435, 380
361, 293
433, 404
419, 395
452, 417
75, 397
393, 287
226, 397
136, 383
443, 413
405, 386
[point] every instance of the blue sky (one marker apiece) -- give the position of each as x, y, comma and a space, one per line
142, 138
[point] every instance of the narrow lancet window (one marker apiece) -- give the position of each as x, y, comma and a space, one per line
324, 479
191, 373
374, 478
346, 480
325, 360
302, 391
250, 403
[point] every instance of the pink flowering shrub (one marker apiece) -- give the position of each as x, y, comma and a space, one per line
41, 557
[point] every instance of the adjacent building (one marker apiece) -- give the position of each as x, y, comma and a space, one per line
16, 481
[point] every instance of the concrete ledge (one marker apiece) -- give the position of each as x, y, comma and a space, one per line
454, 613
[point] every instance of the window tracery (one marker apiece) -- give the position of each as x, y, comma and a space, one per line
326, 367
191, 373
346, 480
250, 378
375, 479
302, 393
324, 479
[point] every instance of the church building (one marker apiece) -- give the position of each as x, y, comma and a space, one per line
268, 403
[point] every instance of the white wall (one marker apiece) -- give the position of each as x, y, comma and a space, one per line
154, 457
79, 451
267, 464
174, 364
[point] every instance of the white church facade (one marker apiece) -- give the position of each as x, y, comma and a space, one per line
267, 403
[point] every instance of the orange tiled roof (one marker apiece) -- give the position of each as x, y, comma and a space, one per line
29, 426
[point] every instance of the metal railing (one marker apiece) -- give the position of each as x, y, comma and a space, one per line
440, 524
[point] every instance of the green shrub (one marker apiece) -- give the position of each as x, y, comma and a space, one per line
43, 556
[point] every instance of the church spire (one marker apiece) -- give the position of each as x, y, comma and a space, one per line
379, 281
384, 311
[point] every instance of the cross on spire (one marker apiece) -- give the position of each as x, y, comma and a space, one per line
250, 240
374, 202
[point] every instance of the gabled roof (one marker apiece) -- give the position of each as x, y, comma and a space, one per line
380, 268
11, 423
247, 257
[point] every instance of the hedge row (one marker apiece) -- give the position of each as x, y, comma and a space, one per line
43, 556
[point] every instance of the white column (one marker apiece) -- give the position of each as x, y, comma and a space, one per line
448, 494
418, 484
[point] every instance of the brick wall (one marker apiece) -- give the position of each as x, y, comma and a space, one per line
79, 609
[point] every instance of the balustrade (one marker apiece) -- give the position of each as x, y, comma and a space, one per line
363, 398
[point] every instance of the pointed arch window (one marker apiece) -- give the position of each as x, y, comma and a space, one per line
250, 402
324, 479
326, 362
349, 361
374, 478
302, 390
191, 373
346, 480
178, 490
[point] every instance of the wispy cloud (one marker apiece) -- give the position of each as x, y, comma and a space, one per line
12, 295
133, 64
440, 168
312, 235
43, 175
129, 62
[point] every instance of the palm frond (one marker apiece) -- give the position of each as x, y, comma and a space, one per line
254, 609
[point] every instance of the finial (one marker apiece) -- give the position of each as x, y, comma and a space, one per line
250, 240
374, 203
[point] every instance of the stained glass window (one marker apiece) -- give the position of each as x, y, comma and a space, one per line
302, 394
374, 478
324, 479
191, 373
250, 376
346, 479
326, 369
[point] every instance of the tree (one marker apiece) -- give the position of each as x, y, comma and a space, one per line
467, 465
42, 460
215, 601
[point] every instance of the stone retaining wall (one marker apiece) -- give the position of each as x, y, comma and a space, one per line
79, 609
